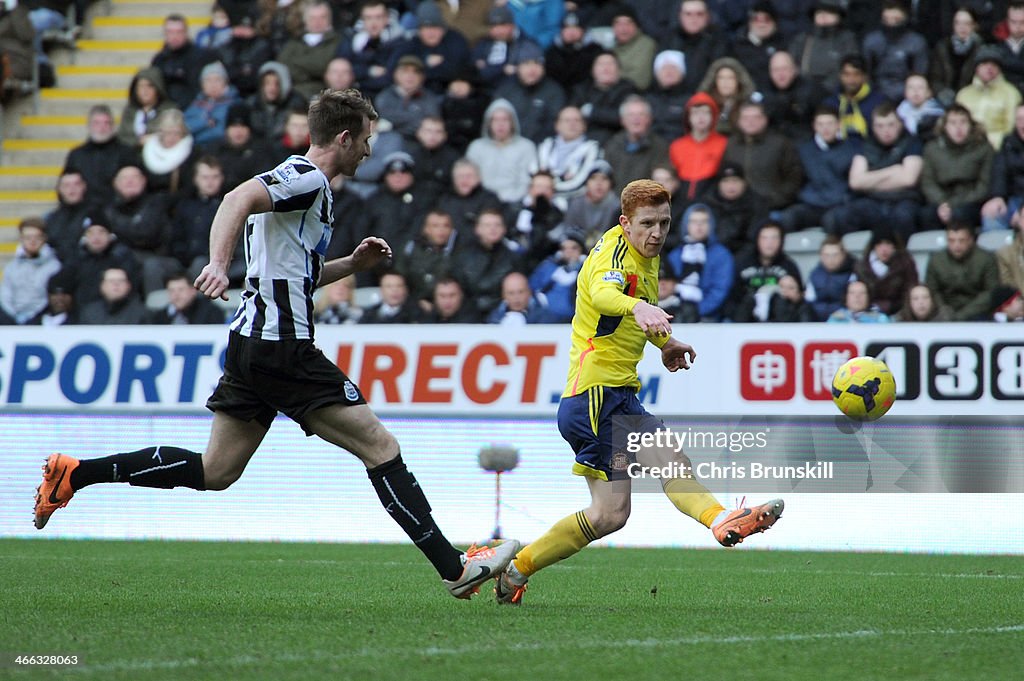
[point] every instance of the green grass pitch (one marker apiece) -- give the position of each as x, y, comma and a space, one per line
183, 610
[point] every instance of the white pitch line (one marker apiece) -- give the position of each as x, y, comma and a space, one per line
483, 648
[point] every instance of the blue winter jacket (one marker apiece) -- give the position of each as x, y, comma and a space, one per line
717, 278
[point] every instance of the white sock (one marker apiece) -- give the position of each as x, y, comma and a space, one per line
514, 573
721, 516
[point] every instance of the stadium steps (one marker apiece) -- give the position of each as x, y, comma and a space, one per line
119, 37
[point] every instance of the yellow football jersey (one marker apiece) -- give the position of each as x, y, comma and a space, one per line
607, 343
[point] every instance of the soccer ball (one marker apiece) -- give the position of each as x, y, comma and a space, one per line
864, 388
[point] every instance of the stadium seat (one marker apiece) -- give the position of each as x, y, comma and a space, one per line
856, 242
995, 239
803, 242
923, 244
367, 296
806, 262
157, 300
231, 304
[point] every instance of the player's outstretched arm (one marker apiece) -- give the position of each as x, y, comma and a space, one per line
368, 254
248, 198
652, 320
676, 355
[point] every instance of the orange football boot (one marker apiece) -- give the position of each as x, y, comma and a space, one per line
744, 522
55, 491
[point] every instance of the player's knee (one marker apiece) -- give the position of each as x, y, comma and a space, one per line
380, 446
608, 520
216, 479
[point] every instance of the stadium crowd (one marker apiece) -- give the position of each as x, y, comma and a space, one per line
508, 129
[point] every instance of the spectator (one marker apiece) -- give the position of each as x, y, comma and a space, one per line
117, 304
483, 261
1007, 185
537, 221
428, 257
539, 19
665, 175
600, 96
704, 268
594, 211
756, 43
635, 150
468, 17
920, 306
888, 269
169, 154
519, 305
139, 220
17, 35
279, 23
395, 306
270, 105
894, 51
181, 61
730, 16
99, 250
432, 157
554, 279
450, 305
306, 56
790, 99
634, 49
956, 173
761, 266
770, 161
64, 223
217, 34
571, 56
206, 114
350, 225
885, 174
338, 74
695, 37
858, 307
147, 98
101, 156
667, 96
23, 286
1006, 305
462, 109
244, 55
496, 56
1010, 47
820, 50
369, 48
962, 276
336, 303
919, 110
295, 140
192, 218
569, 155
787, 304
1010, 258
406, 103
856, 99
60, 306
668, 296
730, 85
397, 207
444, 52
991, 99
696, 156
240, 152
827, 282
826, 162
466, 198
739, 209
536, 98
185, 305
951, 66
502, 154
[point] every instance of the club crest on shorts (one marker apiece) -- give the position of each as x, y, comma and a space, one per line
351, 394
619, 461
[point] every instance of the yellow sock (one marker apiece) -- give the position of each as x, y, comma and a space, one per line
693, 499
565, 538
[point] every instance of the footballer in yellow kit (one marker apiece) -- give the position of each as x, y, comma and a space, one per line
616, 316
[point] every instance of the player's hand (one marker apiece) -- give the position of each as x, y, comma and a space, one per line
371, 251
653, 321
213, 281
677, 355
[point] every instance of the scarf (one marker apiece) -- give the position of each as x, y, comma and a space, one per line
161, 160
850, 115
694, 256
877, 266
561, 151
962, 47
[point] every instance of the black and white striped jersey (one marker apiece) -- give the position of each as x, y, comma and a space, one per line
284, 253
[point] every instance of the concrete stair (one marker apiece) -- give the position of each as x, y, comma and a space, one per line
119, 38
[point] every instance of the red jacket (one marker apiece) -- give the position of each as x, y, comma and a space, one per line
696, 161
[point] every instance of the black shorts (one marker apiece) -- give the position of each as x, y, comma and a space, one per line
262, 378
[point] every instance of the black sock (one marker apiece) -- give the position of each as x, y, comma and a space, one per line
408, 506
163, 467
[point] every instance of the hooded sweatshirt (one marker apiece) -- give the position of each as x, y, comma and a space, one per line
705, 269
697, 162
504, 166
136, 122
23, 289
